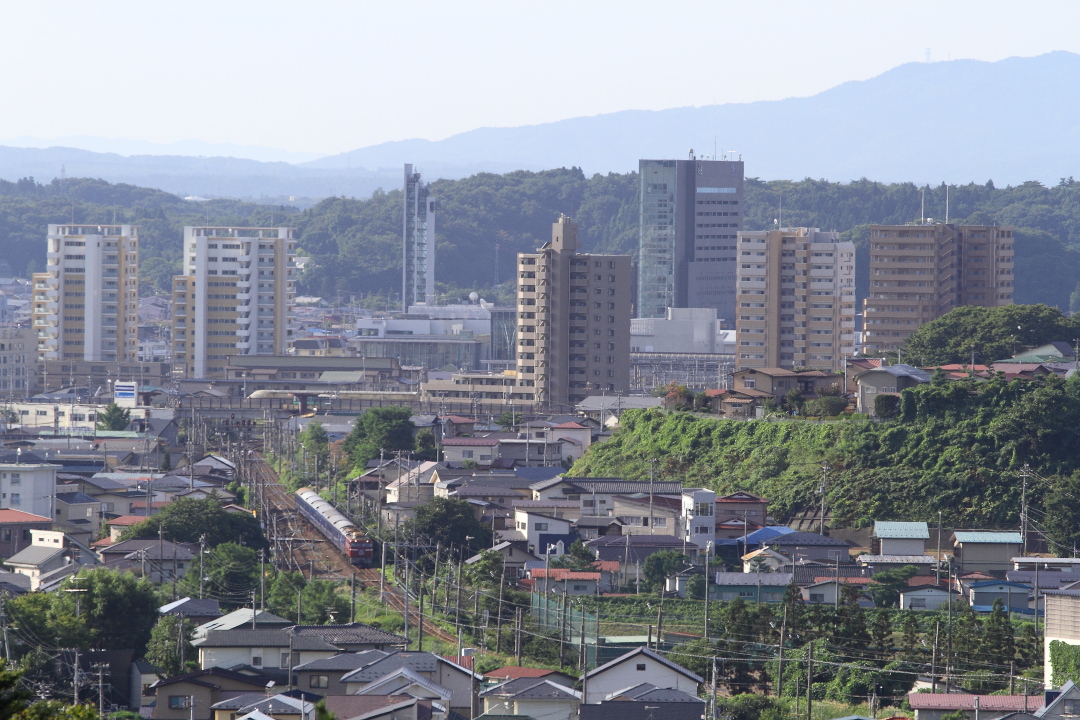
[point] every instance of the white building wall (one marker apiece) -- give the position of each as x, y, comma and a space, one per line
30, 488
627, 674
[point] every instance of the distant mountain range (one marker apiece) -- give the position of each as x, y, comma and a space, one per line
1009, 121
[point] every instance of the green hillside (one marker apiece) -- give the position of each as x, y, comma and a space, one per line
958, 448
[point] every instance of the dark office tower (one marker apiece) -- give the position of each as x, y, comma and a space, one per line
690, 213
418, 243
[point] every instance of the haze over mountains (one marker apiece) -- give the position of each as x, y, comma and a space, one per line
1009, 121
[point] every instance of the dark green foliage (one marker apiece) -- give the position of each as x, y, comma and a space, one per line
577, 557
15, 701
383, 428
881, 631
695, 587
188, 520
887, 585
231, 572
163, 649
887, 407
825, 406
749, 707
659, 565
448, 522
1064, 662
998, 645
113, 417
958, 447
425, 446
993, 333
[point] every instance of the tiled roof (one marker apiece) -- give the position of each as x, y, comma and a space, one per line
18, 516
897, 559
470, 442
511, 672
424, 662
530, 688
344, 661
264, 639
570, 426
647, 653
772, 371
647, 692
125, 520
349, 634
960, 701
806, 538
74, 498
564, 574
764, 579
898, 530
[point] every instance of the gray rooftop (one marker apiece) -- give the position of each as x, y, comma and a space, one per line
763, 579
343, 662
907, 371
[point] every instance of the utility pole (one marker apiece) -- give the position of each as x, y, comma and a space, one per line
101, 689
4, 625
780, 663
809, 680
517, 635
202, 575
352, 598
824, 479
933, 658
652, 473
1024, 471
420, 618
937, 568
712, 693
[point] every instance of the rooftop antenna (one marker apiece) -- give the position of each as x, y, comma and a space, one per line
922, 208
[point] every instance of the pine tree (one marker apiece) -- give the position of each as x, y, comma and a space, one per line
881, 632
998, 644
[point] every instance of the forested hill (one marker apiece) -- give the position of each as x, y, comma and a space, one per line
484, 220
958, 448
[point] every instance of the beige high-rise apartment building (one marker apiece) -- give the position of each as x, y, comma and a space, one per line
86, 302
921, 272
235, 297
796, 300
574, 314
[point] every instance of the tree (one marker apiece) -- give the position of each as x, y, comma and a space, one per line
316, 443
113, 417
285, 590
448, 522
163, 649
881, 631
886, 585
166, 460
118, 609
231, 574
998, 644
383, 428
188, 520
659, 565
695, 587
425, 448
15, 701
577, 557
887, 407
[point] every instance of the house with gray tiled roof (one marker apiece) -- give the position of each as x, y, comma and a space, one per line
430, 674
645, 701
535, 697
635, 667
270, 648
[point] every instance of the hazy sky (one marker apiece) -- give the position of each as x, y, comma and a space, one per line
325, 77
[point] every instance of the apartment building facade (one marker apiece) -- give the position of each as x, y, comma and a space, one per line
235, 297
85, 304
573, 321
921, 272
18, 351
418, 243
690, 213
796, 300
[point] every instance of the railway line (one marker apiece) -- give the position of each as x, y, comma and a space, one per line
299, 546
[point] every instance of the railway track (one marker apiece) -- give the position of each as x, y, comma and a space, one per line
298, 545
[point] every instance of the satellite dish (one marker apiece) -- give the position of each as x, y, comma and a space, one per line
473, 296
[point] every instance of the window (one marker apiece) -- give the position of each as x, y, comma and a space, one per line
466, 453
917, 603
579, 588
285, 661
16, 499
817, 597
178, 702
256, 660
1072, 707
659, 522
540, 526
640, 667
319, 681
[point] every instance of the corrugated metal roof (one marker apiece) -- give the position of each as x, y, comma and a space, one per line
896, 559
959, 701
900, 530
1001, 538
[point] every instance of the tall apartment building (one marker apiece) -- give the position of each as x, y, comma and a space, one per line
86, 302
921, 272
418, 243
690, 213
796, 300
573, 321
234, 298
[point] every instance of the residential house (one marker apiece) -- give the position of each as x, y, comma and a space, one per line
632, 669
270, 648
925, 598
1064, 565
899, 538
562, 509
241, 619
886, 380
988, 552
765, 560
565, 582
142, 678
589, 527
597, 494
699, 517
258, 706
645, 702
742, 505
827, 591
118, 526
376, 707
158, 560
79, 515
191, 695
324, 676
15, 530
810, 546
542, 533
933, 706
1060, 704
514, 557
27, 483
735, 528
14, 583
194, 610
1014, 596
50, 551
631, 550
752, 586
534, 697
513, 672
646, 514
404, 669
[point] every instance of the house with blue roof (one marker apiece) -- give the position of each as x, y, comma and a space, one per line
1014, 596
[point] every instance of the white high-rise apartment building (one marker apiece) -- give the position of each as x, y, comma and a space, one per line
86, 302
796, 300
235, 297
